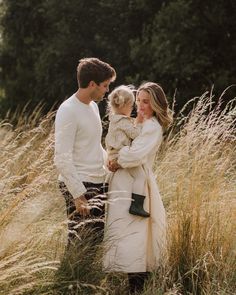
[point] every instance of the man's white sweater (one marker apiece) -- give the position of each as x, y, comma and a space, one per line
79, 155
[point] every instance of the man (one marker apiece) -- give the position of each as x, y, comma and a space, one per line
79, 156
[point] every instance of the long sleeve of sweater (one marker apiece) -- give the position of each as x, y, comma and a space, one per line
149, 139
79, 155
65, 131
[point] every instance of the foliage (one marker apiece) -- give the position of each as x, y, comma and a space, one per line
183, 44
190, 45
68, 31
24, 29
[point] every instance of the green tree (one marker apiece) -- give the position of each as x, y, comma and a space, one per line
183, 44
24, 29
95, 28
189, 46
67, 31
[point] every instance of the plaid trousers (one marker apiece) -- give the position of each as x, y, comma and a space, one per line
92, 224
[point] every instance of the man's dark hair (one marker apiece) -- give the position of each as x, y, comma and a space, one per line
93, 69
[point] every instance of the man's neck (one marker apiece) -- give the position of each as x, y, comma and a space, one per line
83, 96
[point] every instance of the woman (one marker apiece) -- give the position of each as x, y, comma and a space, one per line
134, 244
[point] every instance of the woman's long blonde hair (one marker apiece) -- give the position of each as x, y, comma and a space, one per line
158, 103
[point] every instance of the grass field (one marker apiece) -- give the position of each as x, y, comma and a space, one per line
196, 174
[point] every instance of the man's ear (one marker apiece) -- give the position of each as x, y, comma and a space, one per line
92, 84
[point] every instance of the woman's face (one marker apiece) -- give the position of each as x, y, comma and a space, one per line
143, 104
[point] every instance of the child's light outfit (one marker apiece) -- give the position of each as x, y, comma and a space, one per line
121, 132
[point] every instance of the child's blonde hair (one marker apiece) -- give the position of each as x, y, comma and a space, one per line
119, 97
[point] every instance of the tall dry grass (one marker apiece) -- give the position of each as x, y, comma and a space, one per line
31, 216
196, 176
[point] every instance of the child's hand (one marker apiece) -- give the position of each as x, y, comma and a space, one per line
113, 166
140, 117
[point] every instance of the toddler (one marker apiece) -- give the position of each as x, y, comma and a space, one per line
122, 130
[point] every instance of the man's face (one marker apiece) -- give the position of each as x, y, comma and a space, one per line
100, 90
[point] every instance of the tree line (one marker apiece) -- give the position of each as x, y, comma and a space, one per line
186, 45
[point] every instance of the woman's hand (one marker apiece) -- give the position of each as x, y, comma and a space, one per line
113, 166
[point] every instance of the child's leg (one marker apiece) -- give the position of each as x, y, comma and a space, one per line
140, 178
138, 192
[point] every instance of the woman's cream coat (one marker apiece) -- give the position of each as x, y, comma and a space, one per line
133, 243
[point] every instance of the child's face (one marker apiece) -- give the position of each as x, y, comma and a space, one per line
126, 109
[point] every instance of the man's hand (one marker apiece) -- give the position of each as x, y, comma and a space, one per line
113, 166
82, 206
